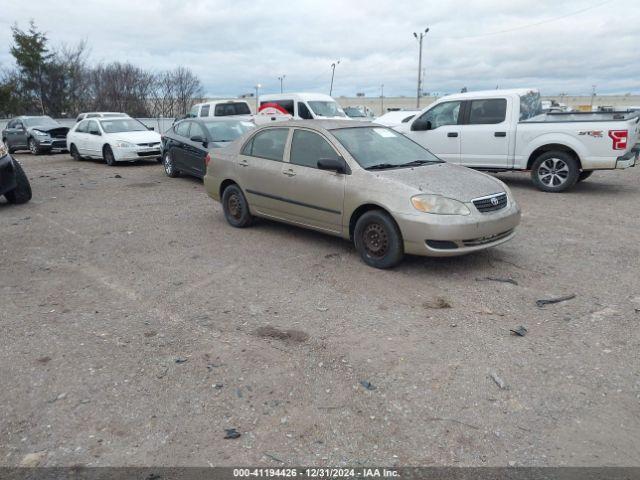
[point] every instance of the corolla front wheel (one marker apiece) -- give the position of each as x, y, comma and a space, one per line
378, 240
236, 208
169, 168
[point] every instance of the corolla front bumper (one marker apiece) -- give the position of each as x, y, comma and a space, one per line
450, 235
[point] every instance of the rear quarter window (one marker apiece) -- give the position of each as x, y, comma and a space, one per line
488, 111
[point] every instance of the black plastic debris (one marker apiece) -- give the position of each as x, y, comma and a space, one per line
549, 301
520, 331
181, 360
367, 385
117, 176
231, 433
497, 279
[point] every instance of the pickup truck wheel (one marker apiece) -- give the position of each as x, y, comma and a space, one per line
584, 175
22, 192
236, 208
378, 240
555, 171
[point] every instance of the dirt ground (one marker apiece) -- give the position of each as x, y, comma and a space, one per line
137, 326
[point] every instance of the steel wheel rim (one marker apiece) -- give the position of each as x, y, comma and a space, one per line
375, 240
234, 206
553, 172
168, 165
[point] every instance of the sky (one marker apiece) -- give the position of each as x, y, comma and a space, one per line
557, 46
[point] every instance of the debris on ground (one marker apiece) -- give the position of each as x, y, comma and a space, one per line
497, 279
367, 385
231, 433
268, 455
439, 302
62, 396
218, 386
33, 459
117, 176
549, 301
322, 309
499, 381
520, 331
44, 359
285, 335
180, 360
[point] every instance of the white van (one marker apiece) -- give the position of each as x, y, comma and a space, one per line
221, 108
299, 106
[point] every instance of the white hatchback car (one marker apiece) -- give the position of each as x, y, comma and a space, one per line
122, 139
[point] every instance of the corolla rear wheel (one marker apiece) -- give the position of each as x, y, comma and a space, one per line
236, 208
555, 171
169, 167
378, 240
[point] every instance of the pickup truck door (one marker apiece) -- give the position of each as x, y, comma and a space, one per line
438, 130
485, 133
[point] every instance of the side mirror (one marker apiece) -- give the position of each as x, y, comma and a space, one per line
333, 164
421, 125
95, 132
151, 128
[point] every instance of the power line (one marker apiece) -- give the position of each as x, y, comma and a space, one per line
522, 27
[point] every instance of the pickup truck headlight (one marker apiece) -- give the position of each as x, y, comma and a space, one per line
123, 144
439, 205
3, 150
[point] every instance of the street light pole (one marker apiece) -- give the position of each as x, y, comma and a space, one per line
333, 72
419, 38
281, 80
257, 87
382, 99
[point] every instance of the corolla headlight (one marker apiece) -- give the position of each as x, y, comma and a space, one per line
3, 150
439, 205
123, 144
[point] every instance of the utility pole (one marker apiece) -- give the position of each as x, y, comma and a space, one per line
419, 38
333, 72
257, 87
281, 80
593, 94
382, 99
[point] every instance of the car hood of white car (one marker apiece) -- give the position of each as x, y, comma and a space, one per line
144, 136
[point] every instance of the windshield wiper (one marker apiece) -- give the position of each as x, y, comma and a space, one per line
418, 162
382, 166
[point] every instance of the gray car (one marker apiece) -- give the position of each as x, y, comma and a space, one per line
40, 134
363, 182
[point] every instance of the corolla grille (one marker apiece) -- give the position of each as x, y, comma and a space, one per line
491, 203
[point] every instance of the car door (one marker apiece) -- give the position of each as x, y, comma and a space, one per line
438, 130
93, 139
10, 134
315, 197
260, 172
485, 134
79, 137
180, 144
194, 151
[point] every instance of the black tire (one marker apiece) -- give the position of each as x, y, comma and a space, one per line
9, 147
584, 175
33, 147
378, 239
107, 153
236, 207
555, 171
74, 153
22, 192
169, 167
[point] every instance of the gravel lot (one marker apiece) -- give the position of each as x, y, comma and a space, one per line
137, 326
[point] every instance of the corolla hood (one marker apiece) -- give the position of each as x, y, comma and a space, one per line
143, 136
451, 181
53, 131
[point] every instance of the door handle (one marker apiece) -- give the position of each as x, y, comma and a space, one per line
243, 164
289, 173
452, 134
500, 134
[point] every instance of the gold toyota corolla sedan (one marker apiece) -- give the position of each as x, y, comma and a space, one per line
365, 183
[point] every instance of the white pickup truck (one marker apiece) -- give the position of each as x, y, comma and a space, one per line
501, 130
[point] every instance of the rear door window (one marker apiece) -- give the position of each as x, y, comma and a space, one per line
309, 147
234, 108
487, 111
268, 144
204, 111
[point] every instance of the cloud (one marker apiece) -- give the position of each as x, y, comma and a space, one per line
232, 45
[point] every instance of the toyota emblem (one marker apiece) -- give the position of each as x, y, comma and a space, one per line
494, 202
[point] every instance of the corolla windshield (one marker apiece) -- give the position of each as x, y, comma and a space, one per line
41, 122
227, 131
377, 148
122, 125
326, 109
